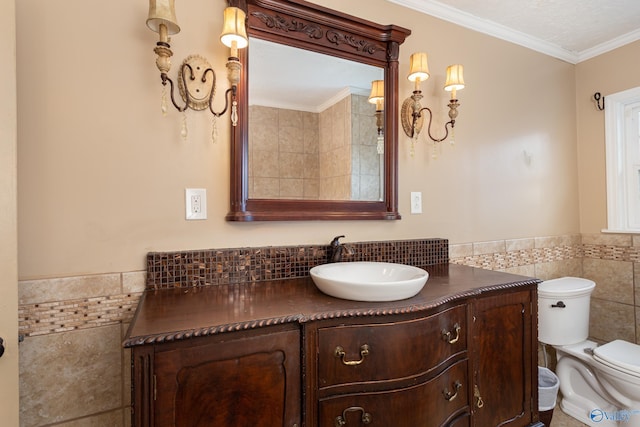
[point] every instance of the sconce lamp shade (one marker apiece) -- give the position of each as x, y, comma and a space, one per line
377, 91
455, 79
234, 29
162, 12
418, 69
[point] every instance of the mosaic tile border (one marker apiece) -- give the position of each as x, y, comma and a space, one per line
239, 265
83, 313
612, 253
517, 258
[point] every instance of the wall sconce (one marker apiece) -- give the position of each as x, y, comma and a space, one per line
196, 78
411, 114
377, 97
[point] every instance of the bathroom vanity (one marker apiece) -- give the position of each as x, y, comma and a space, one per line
281, 353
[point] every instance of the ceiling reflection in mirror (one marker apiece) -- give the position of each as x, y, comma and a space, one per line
312, 130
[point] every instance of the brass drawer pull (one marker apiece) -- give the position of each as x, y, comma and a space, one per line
448, 395
341, 420
476, 394
446, 335
364, 351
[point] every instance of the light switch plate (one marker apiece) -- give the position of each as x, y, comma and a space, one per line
196, 203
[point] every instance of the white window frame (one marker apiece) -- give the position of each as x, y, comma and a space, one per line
618, 206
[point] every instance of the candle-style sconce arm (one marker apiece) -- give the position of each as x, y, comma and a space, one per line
413, 119
229, 94
166, 79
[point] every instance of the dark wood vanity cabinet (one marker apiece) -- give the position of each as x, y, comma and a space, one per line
236, 379
459, 354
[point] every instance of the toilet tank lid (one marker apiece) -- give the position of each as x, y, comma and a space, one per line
566, 286
621, 354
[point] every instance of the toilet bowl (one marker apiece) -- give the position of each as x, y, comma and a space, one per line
599, 384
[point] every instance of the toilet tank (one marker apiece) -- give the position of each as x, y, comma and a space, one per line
563, 310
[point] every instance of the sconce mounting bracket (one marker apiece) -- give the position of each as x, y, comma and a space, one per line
196, 82
409, 106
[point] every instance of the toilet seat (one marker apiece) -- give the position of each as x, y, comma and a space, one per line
620, 355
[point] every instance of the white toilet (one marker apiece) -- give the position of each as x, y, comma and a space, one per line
599, 385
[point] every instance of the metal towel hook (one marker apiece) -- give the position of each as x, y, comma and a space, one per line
598, 97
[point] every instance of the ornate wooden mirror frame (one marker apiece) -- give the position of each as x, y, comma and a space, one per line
311, 27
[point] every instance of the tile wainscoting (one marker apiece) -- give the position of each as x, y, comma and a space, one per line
611, 260
74, 371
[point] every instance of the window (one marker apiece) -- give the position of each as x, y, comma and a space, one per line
622, 136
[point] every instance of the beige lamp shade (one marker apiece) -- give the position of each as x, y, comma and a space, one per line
418, 69
377, 91
163, 12
455, 79
234, 29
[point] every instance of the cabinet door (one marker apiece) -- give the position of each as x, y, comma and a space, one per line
242, 382
503, 393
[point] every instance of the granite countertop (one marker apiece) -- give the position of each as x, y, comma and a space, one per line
181, 313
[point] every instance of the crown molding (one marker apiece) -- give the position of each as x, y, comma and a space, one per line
467, 20
609, 46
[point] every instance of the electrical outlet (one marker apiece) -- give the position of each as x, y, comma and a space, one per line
196, 206
196, 203
416, 202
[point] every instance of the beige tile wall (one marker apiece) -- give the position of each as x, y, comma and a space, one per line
541, 257
74, 371
286, 142
330, 155
335, 151
365, 160
611, 260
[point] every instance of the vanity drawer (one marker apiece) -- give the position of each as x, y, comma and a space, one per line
431, 404
379, 352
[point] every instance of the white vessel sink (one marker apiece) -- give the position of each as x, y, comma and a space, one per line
369, 281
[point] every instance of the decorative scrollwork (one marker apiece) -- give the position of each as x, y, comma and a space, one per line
393, 52
294, 25
337, 38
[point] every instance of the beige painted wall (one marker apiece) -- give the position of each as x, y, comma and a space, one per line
8, 218
612, 72
102, 173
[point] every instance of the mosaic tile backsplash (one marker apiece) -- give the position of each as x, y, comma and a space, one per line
223, 266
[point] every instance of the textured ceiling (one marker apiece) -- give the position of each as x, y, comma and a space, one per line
572, 30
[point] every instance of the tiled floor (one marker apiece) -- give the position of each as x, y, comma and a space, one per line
560, 419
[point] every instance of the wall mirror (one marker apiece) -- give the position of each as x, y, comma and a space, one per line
308, 144
312, 129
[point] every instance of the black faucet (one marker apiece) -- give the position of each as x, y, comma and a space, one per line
336, 249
